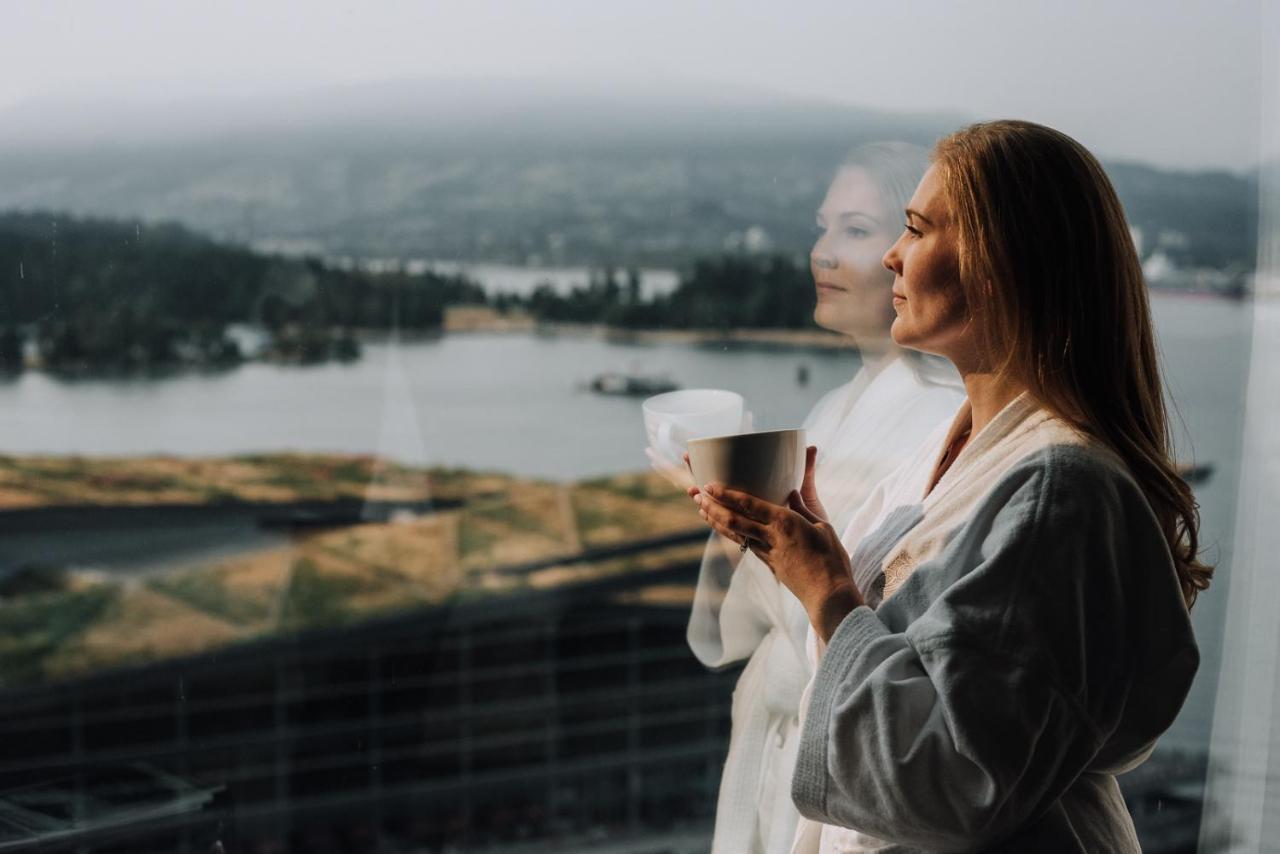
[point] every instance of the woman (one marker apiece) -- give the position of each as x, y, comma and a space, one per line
864, 428
1031, 567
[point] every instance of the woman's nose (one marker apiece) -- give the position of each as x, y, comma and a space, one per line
891, 261
822, 260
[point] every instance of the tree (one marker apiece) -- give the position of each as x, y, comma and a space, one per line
11, 344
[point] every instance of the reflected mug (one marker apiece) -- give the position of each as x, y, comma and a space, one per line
673, 418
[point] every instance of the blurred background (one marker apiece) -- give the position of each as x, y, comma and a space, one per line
327, 523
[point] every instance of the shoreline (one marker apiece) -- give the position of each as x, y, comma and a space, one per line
799, 339
483, 320
807, 339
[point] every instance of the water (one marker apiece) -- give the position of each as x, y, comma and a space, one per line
1205, 355
516, 403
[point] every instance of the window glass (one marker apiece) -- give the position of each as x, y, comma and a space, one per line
339, 510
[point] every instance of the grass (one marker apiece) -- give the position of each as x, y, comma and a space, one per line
37, 481
352, 471
474, 537
62, 468
591, 517
644, 486
315, 598
221, 495
34, 628
302, 484
526, 518
204, 591
509, 515
330, 579
33, 578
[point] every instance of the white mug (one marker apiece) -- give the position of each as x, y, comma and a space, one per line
768, 464
673, 418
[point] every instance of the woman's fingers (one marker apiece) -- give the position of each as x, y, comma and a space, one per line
796, 502
809, 487
810, 463
732, 524
739, 538
742, 503
731, 536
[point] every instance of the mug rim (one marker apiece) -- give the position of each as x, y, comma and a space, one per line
732, 396
748, 433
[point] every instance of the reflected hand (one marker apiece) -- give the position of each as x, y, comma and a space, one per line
677, 476
801, 548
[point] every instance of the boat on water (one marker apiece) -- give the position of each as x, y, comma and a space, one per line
1195, 474
632, 385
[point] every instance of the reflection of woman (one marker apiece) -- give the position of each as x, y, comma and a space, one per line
1037, 556
864, 429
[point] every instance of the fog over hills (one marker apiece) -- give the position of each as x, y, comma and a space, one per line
456, 109
538, 172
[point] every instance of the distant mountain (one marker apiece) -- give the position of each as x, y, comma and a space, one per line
525, 172
459, 111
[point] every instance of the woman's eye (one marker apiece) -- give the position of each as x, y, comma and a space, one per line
915, 232
854, 231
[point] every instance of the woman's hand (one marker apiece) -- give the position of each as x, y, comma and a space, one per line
795, 542
732, 552
809, 488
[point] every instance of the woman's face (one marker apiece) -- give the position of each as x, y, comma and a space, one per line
932, 314
853, 287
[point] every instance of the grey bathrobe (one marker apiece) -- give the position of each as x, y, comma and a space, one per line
1033, 643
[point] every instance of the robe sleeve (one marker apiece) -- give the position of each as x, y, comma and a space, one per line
728, 619
1050, 604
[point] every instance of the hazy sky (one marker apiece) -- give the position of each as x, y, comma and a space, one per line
1174, 83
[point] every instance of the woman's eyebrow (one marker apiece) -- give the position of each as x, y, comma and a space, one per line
919, 216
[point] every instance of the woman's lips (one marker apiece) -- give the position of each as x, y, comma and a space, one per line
828, 288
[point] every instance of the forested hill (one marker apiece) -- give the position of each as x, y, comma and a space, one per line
520, 172
124, 294
108, 288
92, 295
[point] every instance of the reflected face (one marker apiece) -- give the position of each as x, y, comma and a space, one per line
853, 231
932, 314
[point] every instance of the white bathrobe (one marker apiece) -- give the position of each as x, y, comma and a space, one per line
1026, 640
863, 430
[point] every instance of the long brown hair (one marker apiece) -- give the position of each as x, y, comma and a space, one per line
1046, 254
